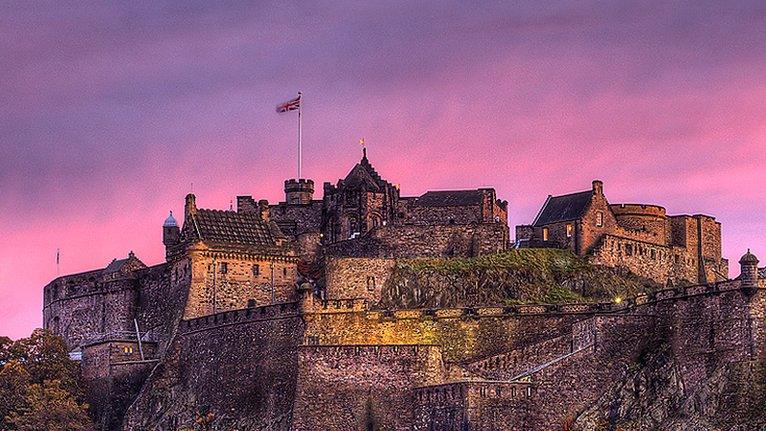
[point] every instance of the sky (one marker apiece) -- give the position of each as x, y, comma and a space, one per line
111, 112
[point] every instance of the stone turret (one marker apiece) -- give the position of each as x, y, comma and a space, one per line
749, 272
171, 233
299, 191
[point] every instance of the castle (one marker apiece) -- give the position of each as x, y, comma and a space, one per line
267, 315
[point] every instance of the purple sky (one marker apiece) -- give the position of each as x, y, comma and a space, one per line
108, 113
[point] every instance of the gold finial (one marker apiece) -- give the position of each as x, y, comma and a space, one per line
361, 141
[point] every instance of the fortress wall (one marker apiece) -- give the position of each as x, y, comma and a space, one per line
87, 313
648, 260
642, 222
423, 215
412, 241
351, 277
162, 293
362, 387
462, 337
246, 278
709, 330
244, 370
480, 405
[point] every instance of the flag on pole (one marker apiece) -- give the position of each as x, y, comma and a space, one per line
290, 105
57, 256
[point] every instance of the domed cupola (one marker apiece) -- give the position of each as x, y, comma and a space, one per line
170, 221
171, 233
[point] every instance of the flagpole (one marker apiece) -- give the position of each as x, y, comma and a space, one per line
300, 133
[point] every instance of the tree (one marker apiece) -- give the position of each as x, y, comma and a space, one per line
40, 386
50, 407
46, 357
14, 385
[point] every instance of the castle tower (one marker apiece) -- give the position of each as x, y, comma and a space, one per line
299, 191
171, 233
749, 272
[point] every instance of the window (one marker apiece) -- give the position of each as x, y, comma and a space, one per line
256, 270
284, 272
223, 268
545, 234
127, 350
250, 303
370, 283
570, 230
599, 219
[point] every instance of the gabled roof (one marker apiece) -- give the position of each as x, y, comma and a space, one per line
450, 198
563, 208
130, 263
364, 177
244, 228
360, 179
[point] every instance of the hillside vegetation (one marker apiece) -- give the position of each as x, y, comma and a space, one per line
508, 278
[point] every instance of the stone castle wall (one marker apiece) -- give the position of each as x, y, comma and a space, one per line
242, 366
362, 387
228, 281
426, 241
353, 277
656, 262
87, 308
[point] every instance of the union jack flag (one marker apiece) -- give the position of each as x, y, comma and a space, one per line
290, 105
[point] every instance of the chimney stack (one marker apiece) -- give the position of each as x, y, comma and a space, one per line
598, 187
263, 210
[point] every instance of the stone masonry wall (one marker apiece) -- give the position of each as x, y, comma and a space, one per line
229, 281
462, 337
655, 262
426, 241
362, 387
245, 370
107, 308
351, 277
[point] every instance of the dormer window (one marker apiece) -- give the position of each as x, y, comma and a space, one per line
599, 219
545, 234
570, 230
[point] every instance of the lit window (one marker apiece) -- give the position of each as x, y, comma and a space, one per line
570, 230
127, 350
545, 234
599, 219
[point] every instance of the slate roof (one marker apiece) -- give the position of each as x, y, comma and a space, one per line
450, 198
364, 177
563, 208
118, 264
245, 228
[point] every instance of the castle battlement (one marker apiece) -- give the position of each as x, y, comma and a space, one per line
239, 316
